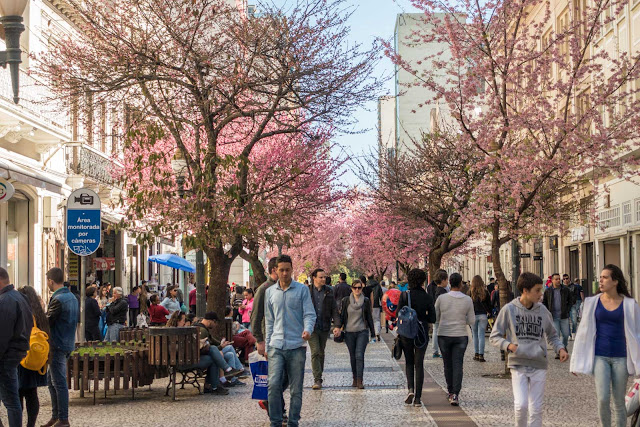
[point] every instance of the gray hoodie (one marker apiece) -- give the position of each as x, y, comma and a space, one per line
525, 327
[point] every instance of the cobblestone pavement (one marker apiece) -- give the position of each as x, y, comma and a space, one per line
380, 404
569, 400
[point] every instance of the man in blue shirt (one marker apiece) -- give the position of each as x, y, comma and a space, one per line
289, 321
62, 314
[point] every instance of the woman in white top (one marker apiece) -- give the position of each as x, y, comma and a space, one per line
607, 344
454, 313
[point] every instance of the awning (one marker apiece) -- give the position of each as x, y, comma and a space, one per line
27, 175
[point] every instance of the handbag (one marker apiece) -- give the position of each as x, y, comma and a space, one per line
396, 351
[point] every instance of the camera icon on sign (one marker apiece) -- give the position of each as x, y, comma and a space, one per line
84, 199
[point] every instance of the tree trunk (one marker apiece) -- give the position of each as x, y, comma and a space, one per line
501, 279
434, 261
259, 274
217, 299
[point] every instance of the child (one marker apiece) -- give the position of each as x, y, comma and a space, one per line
524, 321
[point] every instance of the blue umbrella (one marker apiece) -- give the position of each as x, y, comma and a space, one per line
173, 261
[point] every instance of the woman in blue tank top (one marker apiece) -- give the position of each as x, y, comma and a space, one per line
606, 345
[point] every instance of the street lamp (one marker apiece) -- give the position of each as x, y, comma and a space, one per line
11, 19
178, 165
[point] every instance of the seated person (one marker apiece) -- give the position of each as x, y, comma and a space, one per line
221, 350
243, 340
211, 359
223, 345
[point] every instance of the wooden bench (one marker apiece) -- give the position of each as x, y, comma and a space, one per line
172, 348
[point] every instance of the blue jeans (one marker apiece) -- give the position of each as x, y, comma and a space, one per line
113, 332
611, 373
231, 357
9, 391
478, 330
573, 314
281, 363
562, 327
57, 381
357, 345
212, 362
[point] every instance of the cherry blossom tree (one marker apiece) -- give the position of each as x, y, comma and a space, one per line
540, 98
429, 186
209, 84
378, 240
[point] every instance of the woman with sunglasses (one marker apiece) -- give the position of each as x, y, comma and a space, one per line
357, 321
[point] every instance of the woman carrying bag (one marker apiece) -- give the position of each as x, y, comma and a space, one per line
414, 349
607, 344
357, 321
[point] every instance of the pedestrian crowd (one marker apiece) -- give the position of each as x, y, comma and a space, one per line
282, 316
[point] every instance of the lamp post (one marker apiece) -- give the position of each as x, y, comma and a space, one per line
179, 165
11, 19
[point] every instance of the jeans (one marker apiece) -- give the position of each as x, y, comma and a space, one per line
57, 380
414, 365
9, 391
113, 332
357, 345
231, 357
573, 314
375, 312
611, 374
435, 338
562, 327
317, 344
281, 363
218, 358
208, 362
478, 330
528, 396
453, 349
31, 401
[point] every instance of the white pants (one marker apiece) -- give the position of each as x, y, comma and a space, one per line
528, 395
376, 319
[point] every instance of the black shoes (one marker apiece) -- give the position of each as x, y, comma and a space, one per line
417, 402
409, 399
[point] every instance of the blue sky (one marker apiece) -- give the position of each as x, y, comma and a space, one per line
371, 19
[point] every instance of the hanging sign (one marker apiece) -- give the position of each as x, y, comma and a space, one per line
6, 190
84, 231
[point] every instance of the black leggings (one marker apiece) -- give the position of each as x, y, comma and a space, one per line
414, 365
30, 396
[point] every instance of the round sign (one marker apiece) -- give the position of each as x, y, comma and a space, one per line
6, 190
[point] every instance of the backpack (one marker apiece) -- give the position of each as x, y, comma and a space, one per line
38, 353
407, 320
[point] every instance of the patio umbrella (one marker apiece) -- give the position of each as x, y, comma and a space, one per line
173, 261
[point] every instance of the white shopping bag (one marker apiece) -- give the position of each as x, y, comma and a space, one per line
632, 399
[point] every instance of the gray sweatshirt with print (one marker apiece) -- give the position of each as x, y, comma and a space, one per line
525, 327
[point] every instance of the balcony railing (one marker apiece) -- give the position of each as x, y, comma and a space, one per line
36, 100
85, 160
625, 214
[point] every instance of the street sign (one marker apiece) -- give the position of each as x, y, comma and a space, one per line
537, 257
84, 231
6, 190
525, 255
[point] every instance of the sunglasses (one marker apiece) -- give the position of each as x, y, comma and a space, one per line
356, 287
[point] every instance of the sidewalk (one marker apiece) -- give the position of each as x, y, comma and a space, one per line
337, 404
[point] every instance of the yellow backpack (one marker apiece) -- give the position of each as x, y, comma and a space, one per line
38, 353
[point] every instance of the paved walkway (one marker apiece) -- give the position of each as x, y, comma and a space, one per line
569, 400
380, 404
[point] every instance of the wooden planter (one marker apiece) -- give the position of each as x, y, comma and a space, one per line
129, 370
